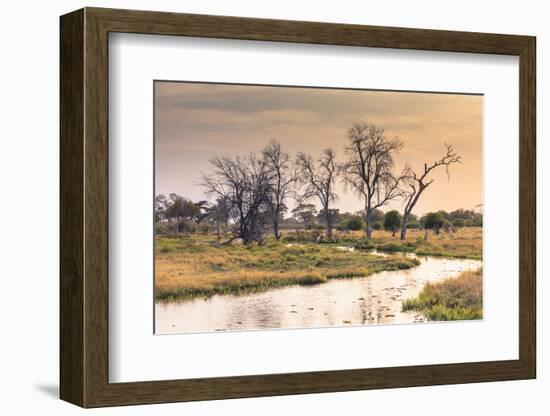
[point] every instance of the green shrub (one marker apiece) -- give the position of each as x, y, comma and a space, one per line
392, 220
413, 224
433, 221
377, 225
364, 245
355, 224
459, 222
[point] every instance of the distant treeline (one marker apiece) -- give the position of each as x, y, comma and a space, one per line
248, 195
199, 218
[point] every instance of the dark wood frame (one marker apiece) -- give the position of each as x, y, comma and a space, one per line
84, 207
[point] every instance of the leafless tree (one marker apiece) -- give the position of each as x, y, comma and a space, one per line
417, 183
318, 178
244, 183
283, 176
368, 167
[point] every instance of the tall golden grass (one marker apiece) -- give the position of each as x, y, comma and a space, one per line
464, 243
192, 267
457, 298
199, 266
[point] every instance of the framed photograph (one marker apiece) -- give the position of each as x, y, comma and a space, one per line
255, 207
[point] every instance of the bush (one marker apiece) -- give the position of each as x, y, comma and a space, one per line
205, 228
413, 225
291, 238
377, 215
459, 222
392, 220
377, 225
355, 224
433, 221
188, 226
352, 224
364, 245
163, 229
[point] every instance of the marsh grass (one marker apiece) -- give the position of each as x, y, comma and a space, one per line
465, 243
198, 267
458, 298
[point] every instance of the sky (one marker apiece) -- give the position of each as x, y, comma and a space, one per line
195, 122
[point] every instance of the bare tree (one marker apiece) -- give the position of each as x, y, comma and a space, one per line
282, 178
245, 184
368, 168
318, 179
417, 183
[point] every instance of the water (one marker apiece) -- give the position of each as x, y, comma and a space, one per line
340, 302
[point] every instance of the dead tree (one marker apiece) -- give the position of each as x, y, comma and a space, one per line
318, 180
368, 167
283, 177
244, 184
417, 183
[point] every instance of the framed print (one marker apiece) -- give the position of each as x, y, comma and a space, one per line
256, 207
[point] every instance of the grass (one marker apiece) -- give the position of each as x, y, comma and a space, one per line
199, 267
465, 243
457, 298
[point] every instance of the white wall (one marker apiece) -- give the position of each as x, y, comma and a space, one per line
29, 208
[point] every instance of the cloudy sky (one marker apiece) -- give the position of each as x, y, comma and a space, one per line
194, 122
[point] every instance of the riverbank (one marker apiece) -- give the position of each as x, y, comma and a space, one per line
465, 243
199, 267
374, 300
458, 298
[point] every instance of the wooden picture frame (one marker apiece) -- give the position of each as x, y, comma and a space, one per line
84, 207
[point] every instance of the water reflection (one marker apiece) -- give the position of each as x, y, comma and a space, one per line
370, 300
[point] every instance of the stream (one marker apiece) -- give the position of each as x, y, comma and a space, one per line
375, 299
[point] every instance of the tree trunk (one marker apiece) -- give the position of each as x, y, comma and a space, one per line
393, 230
368, 221
426, 234
176, 228
329, 222
404, 226
403, 231
276, 229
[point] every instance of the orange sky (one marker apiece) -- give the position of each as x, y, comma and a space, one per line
194, 122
